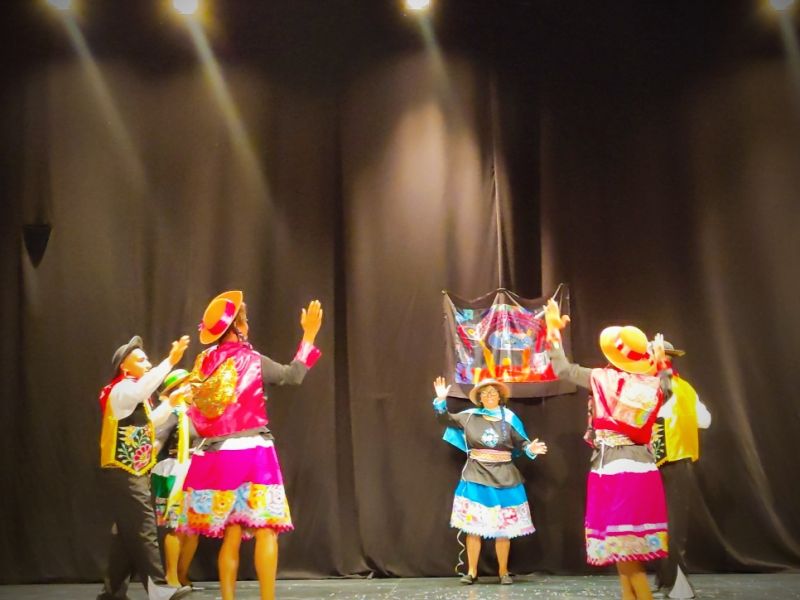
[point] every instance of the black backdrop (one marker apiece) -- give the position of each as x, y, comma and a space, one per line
646, 153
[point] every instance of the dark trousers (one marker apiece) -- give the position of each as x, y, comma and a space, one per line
134, 541
679, 486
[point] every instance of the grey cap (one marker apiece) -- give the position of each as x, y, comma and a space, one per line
123, 351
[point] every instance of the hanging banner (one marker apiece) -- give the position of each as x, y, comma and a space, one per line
502, 336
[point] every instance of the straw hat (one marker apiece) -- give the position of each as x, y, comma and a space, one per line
626, 348
502, 389
219, 315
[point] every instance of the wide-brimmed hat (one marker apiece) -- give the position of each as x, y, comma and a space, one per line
122, 352
173, 380
671, 350
219, 315
626, 348
502, 389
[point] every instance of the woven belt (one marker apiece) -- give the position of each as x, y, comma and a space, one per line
612, 438
490, 456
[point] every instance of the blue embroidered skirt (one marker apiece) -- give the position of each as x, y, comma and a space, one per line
491, 512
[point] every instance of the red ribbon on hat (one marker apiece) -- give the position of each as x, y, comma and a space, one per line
629, 353
227, 317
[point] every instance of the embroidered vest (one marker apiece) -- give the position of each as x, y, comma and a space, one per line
227, 390
176, 445
676, 437
128, 443
625, 403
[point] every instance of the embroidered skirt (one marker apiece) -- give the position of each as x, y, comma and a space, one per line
234, 487
168, 501
491, 512
626, 511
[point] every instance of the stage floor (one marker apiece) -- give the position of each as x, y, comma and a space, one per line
750, 587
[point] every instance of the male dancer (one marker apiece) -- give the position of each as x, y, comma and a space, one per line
127, 454
676, 445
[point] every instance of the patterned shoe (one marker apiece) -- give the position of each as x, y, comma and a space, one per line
506, 579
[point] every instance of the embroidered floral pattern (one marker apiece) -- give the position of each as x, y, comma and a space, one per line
252, 505
491, 521
658, 442
135, 448
616, 548
167, 517
490, 438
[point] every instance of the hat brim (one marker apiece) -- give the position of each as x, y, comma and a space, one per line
608, 338
502, 389
123, 351
178, 377
235, 296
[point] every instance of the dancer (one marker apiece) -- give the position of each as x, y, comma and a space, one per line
626, 513
490, 500
172, 443
676, 444
234, 488
127, 454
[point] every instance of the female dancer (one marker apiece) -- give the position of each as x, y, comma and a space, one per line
234, 487
490, 500
626, 513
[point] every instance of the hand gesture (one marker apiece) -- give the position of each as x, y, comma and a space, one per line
554, 320
441, 387
178, 348
179, 396
537, 447
311, 321
659, 355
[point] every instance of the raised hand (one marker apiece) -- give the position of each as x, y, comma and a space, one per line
441, 387
659, 354
554, 320
311, 321
537, 447
178, 348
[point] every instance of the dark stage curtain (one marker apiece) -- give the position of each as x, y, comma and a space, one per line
663, 193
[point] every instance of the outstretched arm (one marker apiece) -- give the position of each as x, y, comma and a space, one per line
440, 405
563, 369
531, 448
307, 355
127, 393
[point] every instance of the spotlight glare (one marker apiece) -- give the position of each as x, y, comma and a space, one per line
185, 7
64, 5
781, 5
418, 5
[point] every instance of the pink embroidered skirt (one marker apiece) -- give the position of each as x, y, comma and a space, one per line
626, 511
230, 487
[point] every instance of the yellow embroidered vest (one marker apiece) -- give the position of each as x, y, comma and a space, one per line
676, 437
128, 443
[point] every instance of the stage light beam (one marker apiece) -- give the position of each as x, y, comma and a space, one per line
418, 5
186, 7
781, 5
62, 5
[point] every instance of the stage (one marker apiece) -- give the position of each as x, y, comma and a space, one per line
740, 586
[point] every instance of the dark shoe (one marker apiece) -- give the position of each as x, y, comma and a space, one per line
506, 579
468, 579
